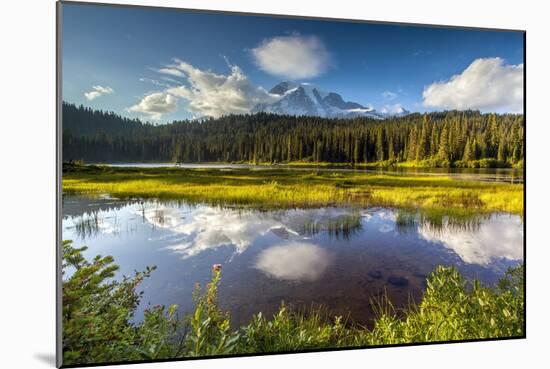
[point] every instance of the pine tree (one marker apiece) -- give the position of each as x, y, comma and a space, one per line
391, 150
356, 151
380, 145
94, 135
411, 149
467, 156
422, 148
443, 152
500, 153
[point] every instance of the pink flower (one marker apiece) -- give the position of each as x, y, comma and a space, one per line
217, 267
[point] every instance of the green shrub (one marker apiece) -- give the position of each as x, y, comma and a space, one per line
210, 332
97, 314
455, 309
291, 331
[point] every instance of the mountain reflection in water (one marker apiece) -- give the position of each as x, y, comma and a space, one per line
338, 257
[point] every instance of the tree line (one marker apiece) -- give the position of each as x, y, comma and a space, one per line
451, 138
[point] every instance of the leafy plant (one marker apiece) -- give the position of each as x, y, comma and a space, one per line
210, 332
98, 310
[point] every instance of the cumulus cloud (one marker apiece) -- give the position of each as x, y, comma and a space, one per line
97, 91
214, 95
155, 105
293, 57
487, 84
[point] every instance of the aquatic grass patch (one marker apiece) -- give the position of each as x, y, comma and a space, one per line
437, 219
340, 227
270, 188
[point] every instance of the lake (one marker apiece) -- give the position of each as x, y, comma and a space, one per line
507, 175
339, 257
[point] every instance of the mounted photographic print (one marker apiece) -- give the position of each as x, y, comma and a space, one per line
246, 184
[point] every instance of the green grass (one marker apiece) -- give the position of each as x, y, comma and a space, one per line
452, 308
97, 316
281, 188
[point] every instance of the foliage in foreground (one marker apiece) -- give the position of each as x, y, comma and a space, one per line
97, 314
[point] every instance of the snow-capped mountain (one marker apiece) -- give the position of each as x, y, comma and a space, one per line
395, 111
307, 99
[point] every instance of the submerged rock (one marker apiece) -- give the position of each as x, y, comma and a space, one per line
376, 274
398, 281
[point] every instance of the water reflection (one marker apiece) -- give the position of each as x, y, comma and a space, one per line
496, 238
338, 226
338, 257
88, 225
296, 261
208, 228
475, 238
473, 174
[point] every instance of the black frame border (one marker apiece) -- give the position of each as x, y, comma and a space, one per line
59, 165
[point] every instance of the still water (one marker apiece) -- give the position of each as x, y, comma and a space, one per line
506, 175
340, 258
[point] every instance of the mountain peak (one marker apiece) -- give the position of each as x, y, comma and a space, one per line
307, 99
283, 87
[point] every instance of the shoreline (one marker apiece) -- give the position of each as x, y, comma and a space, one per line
281, 188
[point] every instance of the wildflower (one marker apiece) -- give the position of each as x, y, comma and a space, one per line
217, 267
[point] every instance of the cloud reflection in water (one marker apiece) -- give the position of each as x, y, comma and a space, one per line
295, 261
498, 237
210, 228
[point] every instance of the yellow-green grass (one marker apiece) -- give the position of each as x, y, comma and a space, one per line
295, 188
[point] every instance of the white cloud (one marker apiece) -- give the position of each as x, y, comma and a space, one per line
171, 71
98, 91
155, 105
202, 228
211, 94
293, 57
294, 261
487, 84
388, 95
210, 228
499, 237
154, 82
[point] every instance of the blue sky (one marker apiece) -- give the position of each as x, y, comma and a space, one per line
120, 51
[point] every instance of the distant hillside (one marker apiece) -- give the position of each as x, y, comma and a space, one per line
84, 121
436, 139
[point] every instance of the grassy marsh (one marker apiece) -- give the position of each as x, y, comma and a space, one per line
283, 188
